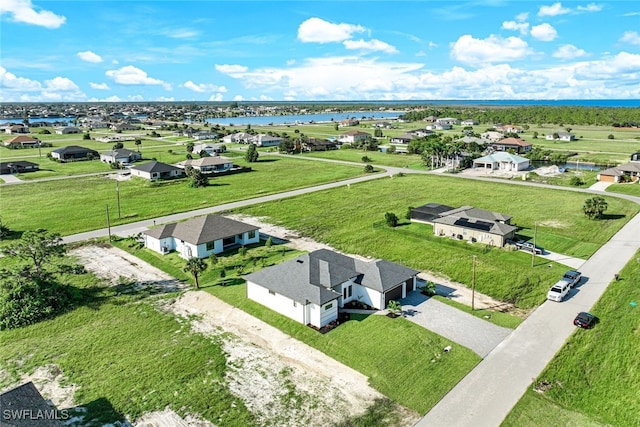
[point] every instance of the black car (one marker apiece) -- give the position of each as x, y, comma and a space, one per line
585, 320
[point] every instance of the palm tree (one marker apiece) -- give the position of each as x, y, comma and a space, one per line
195, 266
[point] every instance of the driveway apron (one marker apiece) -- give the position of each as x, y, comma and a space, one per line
462, 328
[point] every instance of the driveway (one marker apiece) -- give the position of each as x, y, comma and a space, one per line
469, 331
10, 179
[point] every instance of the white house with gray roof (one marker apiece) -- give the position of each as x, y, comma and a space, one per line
311, 288
156, 170
200, 237
502, 161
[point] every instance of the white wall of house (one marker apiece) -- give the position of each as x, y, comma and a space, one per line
368, 296
141, 174
158, 244
446, 230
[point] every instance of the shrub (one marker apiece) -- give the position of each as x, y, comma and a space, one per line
368, 168
611, 136
429, 288
391, 219
576, 181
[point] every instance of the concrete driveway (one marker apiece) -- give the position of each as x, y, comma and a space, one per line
469, 331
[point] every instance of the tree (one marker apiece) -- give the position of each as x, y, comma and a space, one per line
195, 266
138, 143
594, 207
269, 242
118, 145
377, 133
190, 146
242, 251
610, 136
86, 136
38, 248
408, 214
391, 219
196, 178
213, 260
252, 155
368, 168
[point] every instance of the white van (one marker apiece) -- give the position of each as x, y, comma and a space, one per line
559, 291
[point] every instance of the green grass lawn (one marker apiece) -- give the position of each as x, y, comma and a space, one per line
630, 189
412, 161
75, 205
352, 220
595, 376
404, 361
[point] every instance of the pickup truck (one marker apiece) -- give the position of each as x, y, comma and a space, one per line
572, 277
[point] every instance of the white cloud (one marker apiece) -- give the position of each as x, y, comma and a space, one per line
99, 86
231, 69
130, 75
24, 12
569, 51
204, 87
492, 49
591, 7
20, 89
89, 56
320, 31
544, 32
238, 98
523, 27
216, 97
631, 37
521, 17
61, 84
370, 45
181, 33
163, 99
432, 45
9, 81
553, 10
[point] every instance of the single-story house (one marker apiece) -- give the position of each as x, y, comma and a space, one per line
405, 138
312, 287
469, 122
26, 397
354, 136
121, 156
238, 137
439, 126
474, 225
11, 129
22, 141
628, 171
73, 153
67, 130
560, 136
201, 236
316, 144
509, 129
472, 139
348, 123
204, 134
119, 127
427, 213
448, 121
264, 140
18, 166
208, 164
210, 149
515, 144
502, 161
156, 170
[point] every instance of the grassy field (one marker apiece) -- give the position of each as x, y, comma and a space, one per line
496, 317
75, 205
352, 220
126, 357
630, 189
403, 360
595, 377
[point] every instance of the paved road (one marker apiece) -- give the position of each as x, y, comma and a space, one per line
489, 392
463, 328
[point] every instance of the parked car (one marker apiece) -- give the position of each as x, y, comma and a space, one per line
558, 291
572, 277
585, 320
530, 247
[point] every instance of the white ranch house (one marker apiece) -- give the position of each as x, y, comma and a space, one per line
502, 161
313, 287
200, 237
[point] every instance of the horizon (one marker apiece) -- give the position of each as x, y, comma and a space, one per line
312, 51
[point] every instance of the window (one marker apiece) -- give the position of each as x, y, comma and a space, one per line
211, 246
350, 291
251, 234
328, 306
347, 292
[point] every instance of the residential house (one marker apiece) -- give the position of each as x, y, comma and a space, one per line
209, 164
469, 122
264, 140
204, 134
560, 136
502, 161
120, 127
210, 149
467, 140
18, 166
315, 144
22, 141
121, 156
451, 121
156, 170
313, 287
517, 145
238, 137
201, 236
439, 126
466, 223
348, 123
73, 153
509, 129
67, 130
405, 138
24, 406
626, 172
354, 136
14, 129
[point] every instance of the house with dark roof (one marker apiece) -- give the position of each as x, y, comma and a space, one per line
313, 287
212, 164
13, 129
74, 153
24, 406
156, 170
18, 166
201, 236
120, 156
466, 223
22, 141
516, 144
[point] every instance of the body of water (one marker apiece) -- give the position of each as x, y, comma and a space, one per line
585, 166
304, 118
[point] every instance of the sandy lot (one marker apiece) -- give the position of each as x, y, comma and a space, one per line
281, 380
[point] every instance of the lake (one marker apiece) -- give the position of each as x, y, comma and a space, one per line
304, 118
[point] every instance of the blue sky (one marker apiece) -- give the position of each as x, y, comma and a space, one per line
54, 51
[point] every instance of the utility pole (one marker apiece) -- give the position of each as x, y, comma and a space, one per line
473, 285
108, 223
533, 250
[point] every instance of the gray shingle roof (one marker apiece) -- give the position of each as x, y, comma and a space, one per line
27, 397
476, 213
203, 229
310, 277
155, 166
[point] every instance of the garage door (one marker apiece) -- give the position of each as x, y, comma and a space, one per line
393, 294
607, 178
